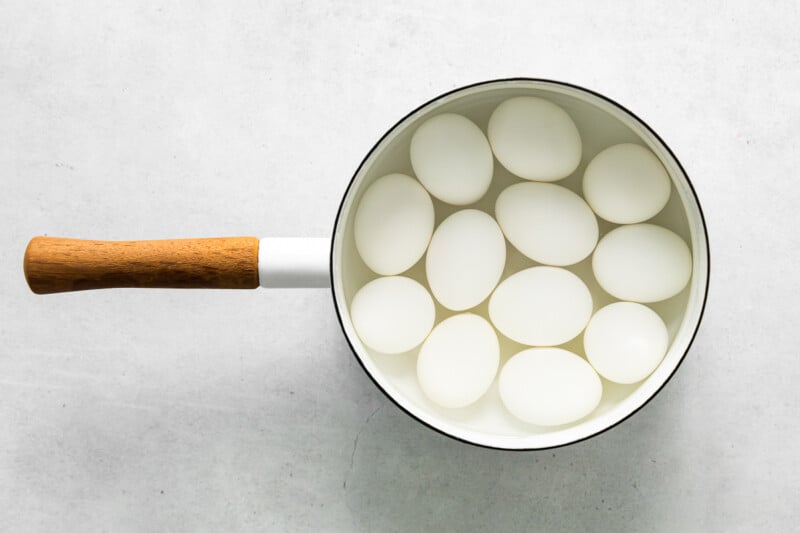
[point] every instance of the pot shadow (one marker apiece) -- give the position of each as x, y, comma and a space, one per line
407, 477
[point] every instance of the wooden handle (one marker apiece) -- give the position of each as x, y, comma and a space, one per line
60, 265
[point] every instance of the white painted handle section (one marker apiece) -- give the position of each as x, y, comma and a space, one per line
294, 262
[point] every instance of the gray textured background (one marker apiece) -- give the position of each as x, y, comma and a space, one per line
213, 411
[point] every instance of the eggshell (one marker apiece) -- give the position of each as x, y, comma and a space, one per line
547, 222
541, 306
392, 314
458, 361
534, 139
625, 341
465, 259
393, 224
642, 263
626, 184
452, 159
549, 386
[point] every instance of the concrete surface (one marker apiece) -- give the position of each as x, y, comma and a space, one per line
215, 411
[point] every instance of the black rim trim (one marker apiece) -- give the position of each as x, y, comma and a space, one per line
553, 82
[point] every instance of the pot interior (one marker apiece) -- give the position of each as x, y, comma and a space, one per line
601, 124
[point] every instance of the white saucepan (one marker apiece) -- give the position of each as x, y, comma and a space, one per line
59, 265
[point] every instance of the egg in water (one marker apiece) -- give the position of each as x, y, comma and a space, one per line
534, 139
626, 184
642, 263
458, 361
549, 386
541, 306
393, 224
452, 159
625, 341
392, 314
465, 259
547, 222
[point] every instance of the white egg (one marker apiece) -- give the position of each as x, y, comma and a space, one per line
642, 263
393, 224
465, 259
549, 386
392, 314
626, 184
625, 341
452, 159
541, 306
534, 139
547, 222
458, 361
